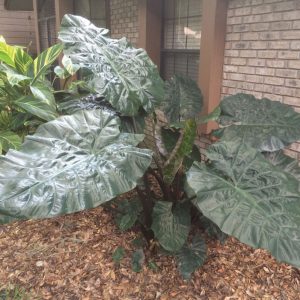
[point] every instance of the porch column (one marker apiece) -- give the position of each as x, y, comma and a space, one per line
212, 55
62, 7
150, 13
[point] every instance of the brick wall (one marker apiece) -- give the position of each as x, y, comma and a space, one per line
124, 19
262, 55
17, 27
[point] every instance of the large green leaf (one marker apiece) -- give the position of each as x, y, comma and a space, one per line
191, 257
72, 104
125, 76
128, 213
264, 124
37, 107
171, 225
284, 163
183, 99
9, 140
249, 198
70, 164
43, 62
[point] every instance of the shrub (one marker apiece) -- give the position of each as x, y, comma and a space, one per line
26, 96
246, 188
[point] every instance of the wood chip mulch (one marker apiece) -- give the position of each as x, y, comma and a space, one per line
71, 258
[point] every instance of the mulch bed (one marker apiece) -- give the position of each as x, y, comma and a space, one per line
70, 257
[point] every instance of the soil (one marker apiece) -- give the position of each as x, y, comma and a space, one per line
70, 257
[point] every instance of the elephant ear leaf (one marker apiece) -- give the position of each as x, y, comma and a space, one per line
70, 164
170, 225
284, 163
264, 124
249, 198
125, 76
191, 257
183, 99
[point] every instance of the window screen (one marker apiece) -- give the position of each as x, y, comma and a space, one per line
94, 10
181, 37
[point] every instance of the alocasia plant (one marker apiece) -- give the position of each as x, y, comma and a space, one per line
246, 187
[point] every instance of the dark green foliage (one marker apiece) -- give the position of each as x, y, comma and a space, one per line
94, 154
191, 257
83, 161
183, 99
265, 125
249, 198
128, 212
212, 229
171, 225
137, 260
113, 68
118, 255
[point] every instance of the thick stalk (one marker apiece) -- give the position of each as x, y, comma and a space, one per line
147, 206
163, 186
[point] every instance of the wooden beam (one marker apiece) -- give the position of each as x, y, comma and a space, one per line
62, 7
150, 25
212, 55
36, 26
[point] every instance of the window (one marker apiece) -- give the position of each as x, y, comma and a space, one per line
25, 5
94, 10
181, 37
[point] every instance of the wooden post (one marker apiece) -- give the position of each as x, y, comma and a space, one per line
36, 26
62, 7
150, 25
212, 55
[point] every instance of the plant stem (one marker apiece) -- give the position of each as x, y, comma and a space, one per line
147, 207
163, 186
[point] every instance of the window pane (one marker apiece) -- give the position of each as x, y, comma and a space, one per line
180, 63
182, 37
26, 5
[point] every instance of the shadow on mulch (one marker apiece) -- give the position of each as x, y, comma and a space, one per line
70, 257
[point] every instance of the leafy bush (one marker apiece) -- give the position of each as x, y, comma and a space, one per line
246, 188
26, 96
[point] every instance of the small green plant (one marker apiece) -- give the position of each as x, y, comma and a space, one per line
14, 293
247, 187
26, 96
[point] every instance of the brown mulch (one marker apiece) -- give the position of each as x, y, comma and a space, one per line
71, 258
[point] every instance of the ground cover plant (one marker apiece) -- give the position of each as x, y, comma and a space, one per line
96, 151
